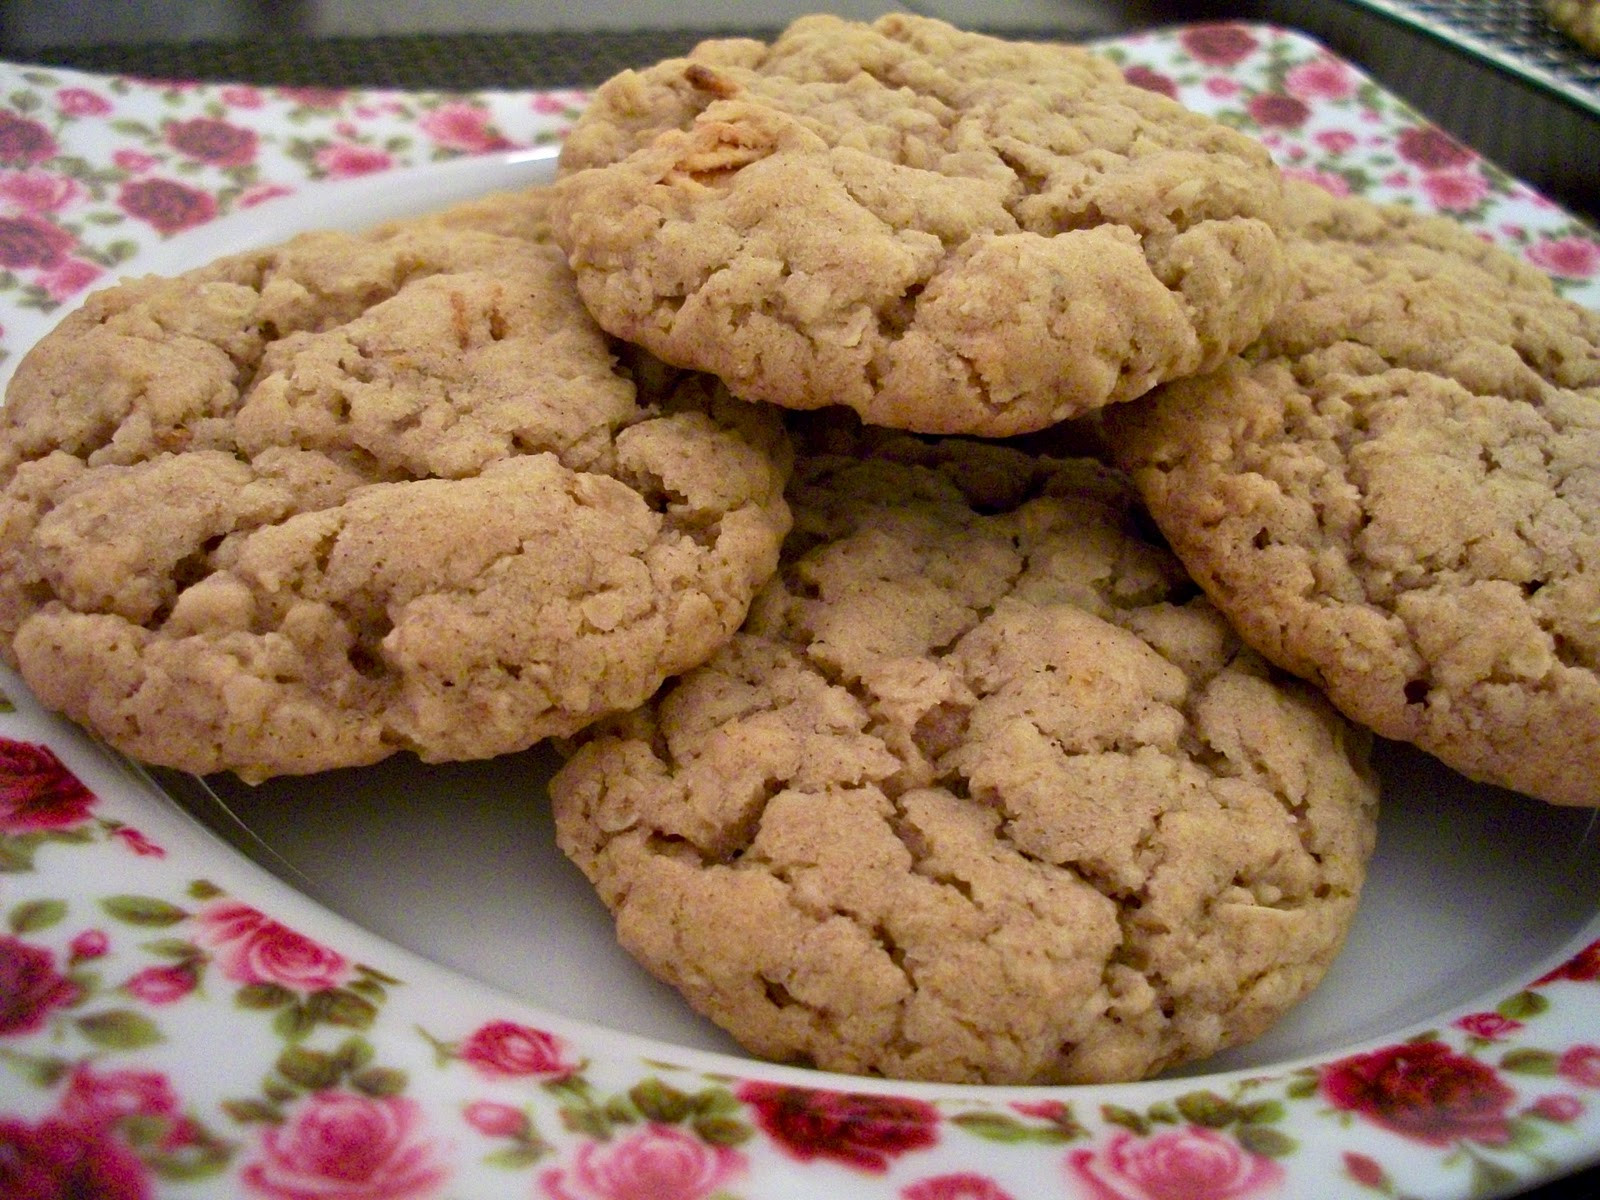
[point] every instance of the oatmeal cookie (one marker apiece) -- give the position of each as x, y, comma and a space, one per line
1396, 493
310, 505
946, 232
984, 791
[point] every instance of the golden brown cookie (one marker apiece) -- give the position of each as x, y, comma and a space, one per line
1396, 494
317, 503
943, 231
982, 792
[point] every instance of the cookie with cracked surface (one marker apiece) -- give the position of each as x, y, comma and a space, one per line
946, 232
310, 505
1396, 493
982, 792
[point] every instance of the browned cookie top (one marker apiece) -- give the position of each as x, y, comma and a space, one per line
982, 792
313, 504
1397, 492
944, 231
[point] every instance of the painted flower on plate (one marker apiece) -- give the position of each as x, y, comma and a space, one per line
1489, 1026
859, 1129
505, 1049
37, 191
166, 205
342, 1146
249, 947
1274, 111
162, 984
1219, 45
460, 125
1581, 1065
1424, 1091
59, 1158
1571, 257
30, 987
961, 1186
658, 1162
81, 102
345, 160
101, 1097
1320, 79
209, 140
493, 1119
23, 140
37, 792
1191, 1163
1151, 81
1432, 149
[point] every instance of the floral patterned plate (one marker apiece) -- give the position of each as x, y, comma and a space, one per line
400, 990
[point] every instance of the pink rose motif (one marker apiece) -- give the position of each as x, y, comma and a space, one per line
31, 241
1571, 258
496, 1120
91, 943
961, 1186
1273, 110
81, 102
262, 192
137, 842
252, 948
162, 985
1424, 1091
1222, 87
1580, 1065
167, 206
24, 141
37, 792
1559, 1109
343, 160
30, 987
1364, 1169
93, 1099
343, 1146
462, 126
1191, 1163
57, 1158
67, 280
1320, 79
135, 162
506, 1050
1218, 45
1432, 149
1336, 141
37, 191
212, 141
659, 1162
1151, 81
242, 96
1489, 1026
1455, 191
861, 1130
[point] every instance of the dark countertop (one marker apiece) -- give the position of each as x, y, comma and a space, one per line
1535, 133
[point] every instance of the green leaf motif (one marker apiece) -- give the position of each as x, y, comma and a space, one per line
379, 1081
262, 996
1269, 1143
656, 1101
340, 1006
518, 1157
16, 854
1115, 1114
1007, 1130
1523, 1006
145, 911
252, 1112
34, 915
1529, 1061
119, 1029
1207, 1109
311, 1070
721, 1131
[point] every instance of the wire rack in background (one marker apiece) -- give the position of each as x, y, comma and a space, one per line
1514, 34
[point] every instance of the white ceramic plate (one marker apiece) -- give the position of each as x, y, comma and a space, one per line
424, 998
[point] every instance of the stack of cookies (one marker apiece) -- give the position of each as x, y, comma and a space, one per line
900, 739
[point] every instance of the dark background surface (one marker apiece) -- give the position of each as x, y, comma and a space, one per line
1537, 133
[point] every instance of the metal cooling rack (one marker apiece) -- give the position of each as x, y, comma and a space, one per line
1513, 34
